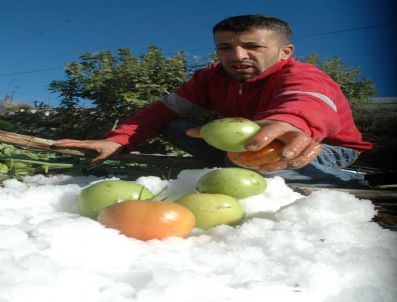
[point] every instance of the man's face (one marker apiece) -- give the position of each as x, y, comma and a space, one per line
247, 54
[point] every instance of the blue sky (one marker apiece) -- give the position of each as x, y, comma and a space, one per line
38, 37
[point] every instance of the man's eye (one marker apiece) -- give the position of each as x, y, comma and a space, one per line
223, 47
253, 46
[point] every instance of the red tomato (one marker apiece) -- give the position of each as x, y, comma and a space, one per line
259, 158
146, 220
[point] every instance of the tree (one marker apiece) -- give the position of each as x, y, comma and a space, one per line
358, 91
120, 84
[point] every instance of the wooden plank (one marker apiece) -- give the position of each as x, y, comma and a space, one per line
32, 142
42, 144
388, 195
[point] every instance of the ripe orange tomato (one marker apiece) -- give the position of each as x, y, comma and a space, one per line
256, 159
146, 220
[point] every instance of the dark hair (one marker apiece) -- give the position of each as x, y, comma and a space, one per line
250, 22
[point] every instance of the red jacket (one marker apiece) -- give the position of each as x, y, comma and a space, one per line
290, 91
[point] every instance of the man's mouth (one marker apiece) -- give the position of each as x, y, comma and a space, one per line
242, 67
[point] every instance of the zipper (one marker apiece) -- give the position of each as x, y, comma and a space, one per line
239, 101
240, 91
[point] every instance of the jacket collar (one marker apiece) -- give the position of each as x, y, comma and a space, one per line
275, 68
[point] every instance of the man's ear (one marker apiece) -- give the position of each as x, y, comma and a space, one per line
286, 51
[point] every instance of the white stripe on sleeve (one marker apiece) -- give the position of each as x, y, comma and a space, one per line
320, 96
183, 106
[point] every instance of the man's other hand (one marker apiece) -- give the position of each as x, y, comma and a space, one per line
104, 148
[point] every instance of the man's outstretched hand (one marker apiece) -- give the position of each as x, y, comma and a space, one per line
299, 150
104, 148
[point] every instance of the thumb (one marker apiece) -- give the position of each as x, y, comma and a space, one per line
194, 132
97, 160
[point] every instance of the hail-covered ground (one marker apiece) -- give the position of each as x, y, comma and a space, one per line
323, 247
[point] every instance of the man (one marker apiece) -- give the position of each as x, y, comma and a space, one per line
256, 78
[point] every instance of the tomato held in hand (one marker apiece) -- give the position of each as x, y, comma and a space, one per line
259, 158
146, 220
230, 133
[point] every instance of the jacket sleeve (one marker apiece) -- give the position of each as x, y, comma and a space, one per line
145, 124
308, 101
148, 122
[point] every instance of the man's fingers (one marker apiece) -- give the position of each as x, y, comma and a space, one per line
97, 160
306, 156
194, 132
297, 143
267, 134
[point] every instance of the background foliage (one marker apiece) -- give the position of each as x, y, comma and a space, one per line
122, 82
357, 90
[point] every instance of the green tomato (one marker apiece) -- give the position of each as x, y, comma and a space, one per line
229, 134
95, 197
236, 182
212, 209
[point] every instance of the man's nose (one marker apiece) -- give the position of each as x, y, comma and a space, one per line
240, 53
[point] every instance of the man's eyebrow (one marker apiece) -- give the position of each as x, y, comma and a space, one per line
243, 42
252, 43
